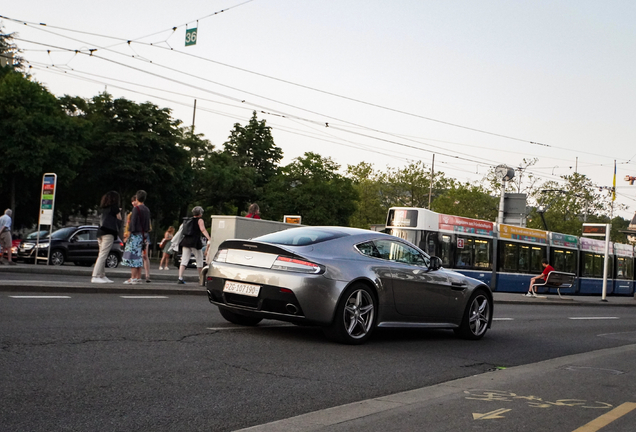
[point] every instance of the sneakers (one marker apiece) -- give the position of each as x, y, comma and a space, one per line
133, 282
160, 268
166, 268
100, 280
528, 294
181, 282
148, 280
534, 295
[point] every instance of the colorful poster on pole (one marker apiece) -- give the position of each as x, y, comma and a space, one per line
47, 200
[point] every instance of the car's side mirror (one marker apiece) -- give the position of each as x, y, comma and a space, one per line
73, 239
436, 263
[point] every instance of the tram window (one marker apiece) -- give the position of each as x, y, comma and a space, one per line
445, 250
621, 264
629, 268
570, 262
524, 259
510, 257
536, 256
558, 259
464, 256
588, 264
482, 254
598, 266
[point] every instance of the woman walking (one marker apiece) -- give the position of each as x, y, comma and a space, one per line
107, 233
193, 229
165, 248
138, 227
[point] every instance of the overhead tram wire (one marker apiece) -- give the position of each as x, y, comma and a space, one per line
251, 103
136, 40
277, 127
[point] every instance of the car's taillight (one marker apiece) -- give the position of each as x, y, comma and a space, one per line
221, 256
295, 265
121, 244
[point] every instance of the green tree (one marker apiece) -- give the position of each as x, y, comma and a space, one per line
467, 200
37, 137
135, 146
369, 207
252, 147
9, 51
310, 186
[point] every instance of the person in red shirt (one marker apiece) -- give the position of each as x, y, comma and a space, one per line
547, 268
253, 212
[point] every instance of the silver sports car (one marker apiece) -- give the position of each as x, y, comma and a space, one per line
347, 280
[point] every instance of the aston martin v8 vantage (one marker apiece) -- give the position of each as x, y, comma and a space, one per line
346, 280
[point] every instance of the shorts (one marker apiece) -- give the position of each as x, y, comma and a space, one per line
185, 256
5, 240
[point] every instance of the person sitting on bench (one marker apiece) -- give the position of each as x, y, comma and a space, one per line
547, 268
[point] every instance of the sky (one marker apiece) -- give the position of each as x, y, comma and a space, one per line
476, 83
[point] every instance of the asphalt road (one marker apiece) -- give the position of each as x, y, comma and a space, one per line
164, 363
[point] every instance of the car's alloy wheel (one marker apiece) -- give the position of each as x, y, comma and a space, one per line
476, 317
57, 258
112, 260
355, 316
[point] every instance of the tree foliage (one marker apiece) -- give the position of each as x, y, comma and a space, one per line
310, 186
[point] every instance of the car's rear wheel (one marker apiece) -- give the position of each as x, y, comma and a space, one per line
57, 257
235, 318
355, 316
112, 260
476, 317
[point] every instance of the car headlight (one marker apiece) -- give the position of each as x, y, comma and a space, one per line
43, 245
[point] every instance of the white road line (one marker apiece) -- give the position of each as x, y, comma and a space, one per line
592, 318
143, 297
503, 319
38, 297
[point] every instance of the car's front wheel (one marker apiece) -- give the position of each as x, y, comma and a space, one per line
57, 257
476, 317
112, 260
235, 318
355, 316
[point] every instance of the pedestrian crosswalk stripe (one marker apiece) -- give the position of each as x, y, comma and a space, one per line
143, 297
38, 297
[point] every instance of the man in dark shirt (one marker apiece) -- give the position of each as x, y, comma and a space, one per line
547, 268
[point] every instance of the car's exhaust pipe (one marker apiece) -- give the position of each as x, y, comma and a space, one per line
292, 309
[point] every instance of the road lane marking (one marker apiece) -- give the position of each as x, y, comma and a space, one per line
38, 297
491, 415
143, 297
592, 318
607, 418
503, 319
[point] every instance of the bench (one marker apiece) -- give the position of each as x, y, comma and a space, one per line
558, 280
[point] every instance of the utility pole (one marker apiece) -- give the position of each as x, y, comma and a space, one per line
430, 189
194, 113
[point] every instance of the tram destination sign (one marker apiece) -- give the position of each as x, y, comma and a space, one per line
594, 230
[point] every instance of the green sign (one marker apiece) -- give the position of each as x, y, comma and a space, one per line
191, 37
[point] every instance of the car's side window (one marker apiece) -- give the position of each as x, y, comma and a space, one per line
400, 252
369, 249
82, 235
92, 235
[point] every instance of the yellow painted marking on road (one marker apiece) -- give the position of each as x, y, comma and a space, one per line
607, 418
491, 415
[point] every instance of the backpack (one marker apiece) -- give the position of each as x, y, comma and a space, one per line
190, 227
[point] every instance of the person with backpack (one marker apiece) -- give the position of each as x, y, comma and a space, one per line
191, 244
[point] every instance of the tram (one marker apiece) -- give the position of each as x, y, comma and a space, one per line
506, 257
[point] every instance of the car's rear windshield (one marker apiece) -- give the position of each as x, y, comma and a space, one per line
300, 236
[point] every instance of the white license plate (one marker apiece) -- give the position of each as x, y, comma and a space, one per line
242, 288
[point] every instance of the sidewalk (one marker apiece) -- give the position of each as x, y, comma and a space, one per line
165, 282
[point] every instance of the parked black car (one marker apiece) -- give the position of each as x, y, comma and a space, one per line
71, 244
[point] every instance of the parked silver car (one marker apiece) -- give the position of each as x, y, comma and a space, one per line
347, 280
